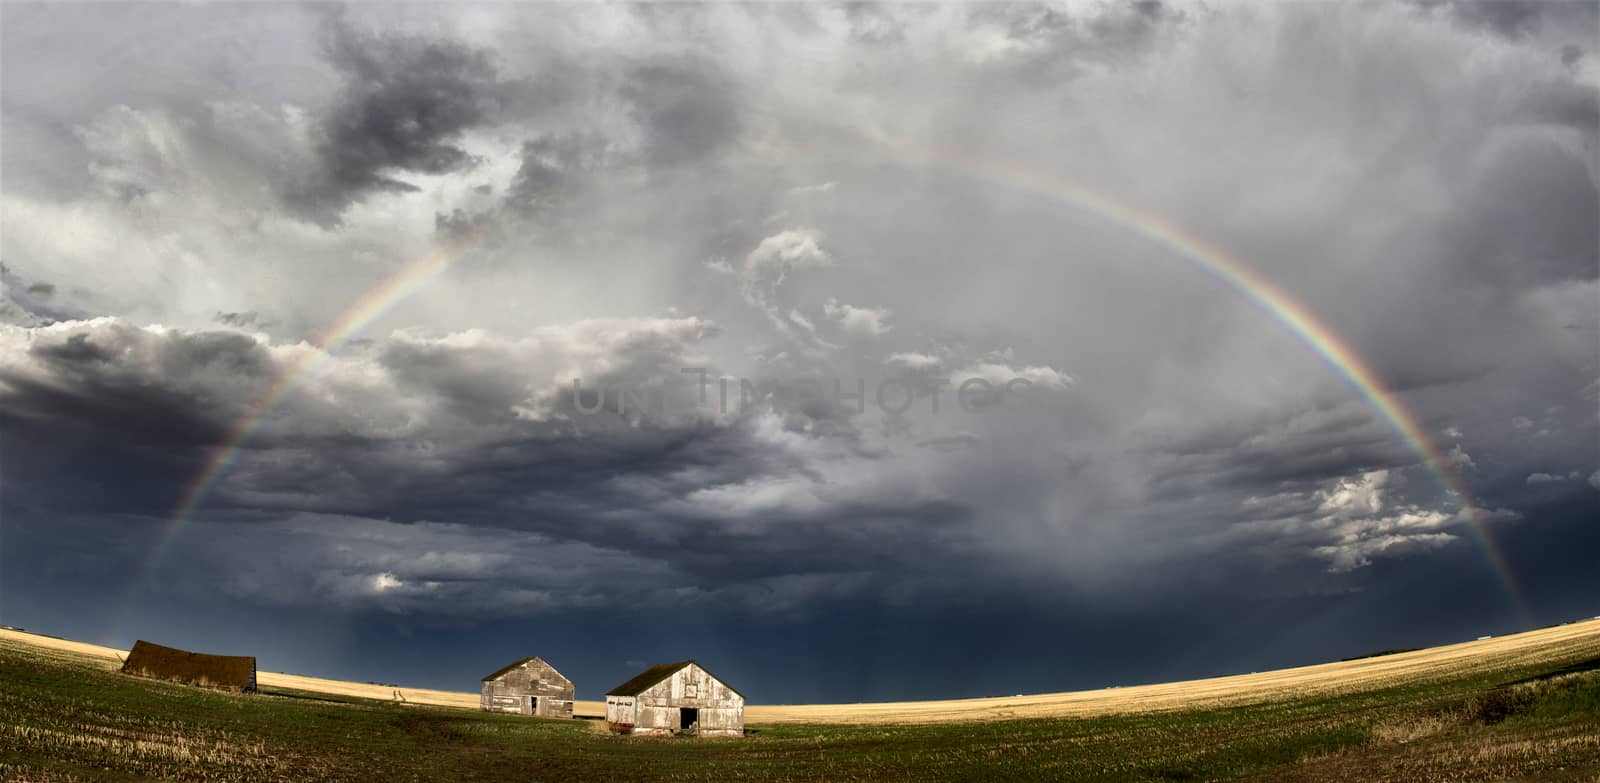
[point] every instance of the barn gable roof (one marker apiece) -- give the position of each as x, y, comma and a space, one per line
148, 659
648, 678
520, 663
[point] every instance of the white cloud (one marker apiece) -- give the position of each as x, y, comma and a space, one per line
385, 582
821, 187
912, 360
1459, 457
781, 253
768, 267
1000, 373
1360, 552
1357, 497
867, 321
1354, 521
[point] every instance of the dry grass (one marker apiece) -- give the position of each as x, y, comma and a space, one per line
67, 717
1576, 640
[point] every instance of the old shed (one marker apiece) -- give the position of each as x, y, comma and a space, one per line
676, 697
228, 672
528, 687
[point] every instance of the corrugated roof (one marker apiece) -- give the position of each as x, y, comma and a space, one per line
514, 664
649, 677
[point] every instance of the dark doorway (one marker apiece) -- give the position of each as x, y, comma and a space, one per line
533, 705
689, 719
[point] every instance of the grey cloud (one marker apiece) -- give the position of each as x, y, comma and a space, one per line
687, 108
666, 490
1429, 204
1571, 54
244, 320
554, 170
404, 105
1506, 17
1529, 218
1567, 103
1522, 18
1053, 42
26, 302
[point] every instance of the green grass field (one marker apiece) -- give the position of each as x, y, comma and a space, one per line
64, 717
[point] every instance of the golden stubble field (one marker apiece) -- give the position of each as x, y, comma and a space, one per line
1575, 640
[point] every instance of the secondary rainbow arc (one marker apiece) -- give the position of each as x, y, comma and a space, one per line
1237, 275
1263, 293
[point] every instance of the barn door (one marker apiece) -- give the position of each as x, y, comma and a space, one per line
689, 719
533, 705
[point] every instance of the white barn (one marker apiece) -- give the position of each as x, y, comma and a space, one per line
528, 687
676, 697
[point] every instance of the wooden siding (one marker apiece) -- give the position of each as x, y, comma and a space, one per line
531, 688
620, 714
659, 708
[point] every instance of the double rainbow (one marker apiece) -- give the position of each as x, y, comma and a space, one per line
1271, 299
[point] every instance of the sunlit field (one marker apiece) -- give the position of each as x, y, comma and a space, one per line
1522, 707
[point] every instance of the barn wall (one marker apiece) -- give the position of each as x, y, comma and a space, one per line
721, 709
511, 691
620, 712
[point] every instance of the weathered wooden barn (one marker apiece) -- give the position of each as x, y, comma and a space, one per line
227, 672
676, 697
528, 687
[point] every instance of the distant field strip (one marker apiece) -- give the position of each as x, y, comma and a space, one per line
1573, 641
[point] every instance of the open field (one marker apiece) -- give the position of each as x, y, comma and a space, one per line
1519, 708
1577, 640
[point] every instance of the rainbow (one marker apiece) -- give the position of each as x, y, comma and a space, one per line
1235, 274
1270, 298
368, 308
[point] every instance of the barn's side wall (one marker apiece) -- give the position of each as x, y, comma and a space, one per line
721, 711
511, 692
620, 713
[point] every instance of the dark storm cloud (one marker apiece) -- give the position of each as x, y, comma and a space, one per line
105, 378
553, 168
662, 491
1421, 183
1506, 17
684, 111
404, 105
1522, 18
86, 429
1564, 103
1258, 458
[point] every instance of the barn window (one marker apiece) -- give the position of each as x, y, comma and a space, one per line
692, 690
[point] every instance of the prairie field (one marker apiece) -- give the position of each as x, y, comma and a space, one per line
1520, 707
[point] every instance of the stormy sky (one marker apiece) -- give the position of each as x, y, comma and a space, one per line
383, 242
